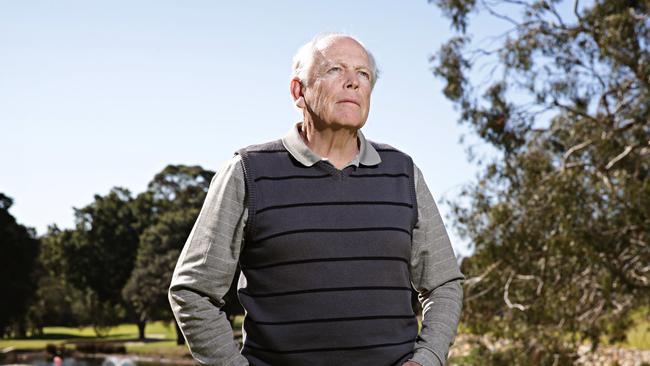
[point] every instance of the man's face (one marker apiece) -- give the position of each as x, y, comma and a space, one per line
338, 93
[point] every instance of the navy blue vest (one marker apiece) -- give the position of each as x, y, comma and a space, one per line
325, 260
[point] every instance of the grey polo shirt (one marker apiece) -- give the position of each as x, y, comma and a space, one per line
207, 264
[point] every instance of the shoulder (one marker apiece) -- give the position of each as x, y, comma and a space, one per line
383, 149
228, 182
387, 151
230, 170
269, 146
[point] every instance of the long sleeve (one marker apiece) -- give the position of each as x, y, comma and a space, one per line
206, 267
437, 278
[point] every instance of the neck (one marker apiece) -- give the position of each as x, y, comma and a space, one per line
339, 146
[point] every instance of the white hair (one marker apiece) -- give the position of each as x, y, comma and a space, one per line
303, 60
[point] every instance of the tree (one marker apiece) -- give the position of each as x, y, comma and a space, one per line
18, 257
170, 207
160, 247
560, 219
57, 301
179, 187
102, 255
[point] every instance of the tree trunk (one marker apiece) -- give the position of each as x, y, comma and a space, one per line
21, 330
141, 325
180, 340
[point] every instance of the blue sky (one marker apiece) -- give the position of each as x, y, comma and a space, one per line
101, 94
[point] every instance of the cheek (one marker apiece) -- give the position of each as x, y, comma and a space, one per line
325, 103
322, 100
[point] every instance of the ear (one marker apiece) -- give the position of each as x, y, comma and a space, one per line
297, 89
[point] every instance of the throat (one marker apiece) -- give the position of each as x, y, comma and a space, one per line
338, 147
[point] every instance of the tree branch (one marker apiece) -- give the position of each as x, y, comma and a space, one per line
575, 148
507, 299
575, 111
620, 156
540, 283
473, 281
575, 10
500, 16
557, 16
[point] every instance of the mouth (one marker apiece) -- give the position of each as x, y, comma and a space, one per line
349, 101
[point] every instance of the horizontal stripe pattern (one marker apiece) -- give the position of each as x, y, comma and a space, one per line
326, 289
314, 260
318, 305
282, 164
336, 349
291, 192
390, 355
365, 334
382, 175
296, 176
332, 230
305, 246
343, 203
325, 265
333, 320
332, 219
271, 151
342, 275
320, 176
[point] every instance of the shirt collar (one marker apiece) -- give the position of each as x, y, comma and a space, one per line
297, 147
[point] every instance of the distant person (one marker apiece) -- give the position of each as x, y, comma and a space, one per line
331, 231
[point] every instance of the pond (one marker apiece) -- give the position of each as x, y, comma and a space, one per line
39, 360
83, 361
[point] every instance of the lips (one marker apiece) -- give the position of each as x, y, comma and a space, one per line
354, 101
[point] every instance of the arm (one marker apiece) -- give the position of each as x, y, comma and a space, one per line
206, 268
437, 278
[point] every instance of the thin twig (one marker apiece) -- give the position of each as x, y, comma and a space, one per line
510, 304
620, 156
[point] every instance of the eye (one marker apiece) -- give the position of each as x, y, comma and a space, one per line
365, 74
334, 69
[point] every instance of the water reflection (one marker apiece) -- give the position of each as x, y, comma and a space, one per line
83, 361
69, 361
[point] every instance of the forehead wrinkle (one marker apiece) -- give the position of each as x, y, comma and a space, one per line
329, 62
321, 61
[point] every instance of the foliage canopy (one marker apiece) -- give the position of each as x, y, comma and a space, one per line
560, 219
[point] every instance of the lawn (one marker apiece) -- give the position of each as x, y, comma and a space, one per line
639, 335
161, 337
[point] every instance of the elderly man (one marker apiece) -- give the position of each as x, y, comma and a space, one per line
331, 231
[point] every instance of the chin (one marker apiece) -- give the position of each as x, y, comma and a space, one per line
349, 121
356, 124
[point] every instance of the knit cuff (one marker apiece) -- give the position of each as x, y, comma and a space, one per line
426, 357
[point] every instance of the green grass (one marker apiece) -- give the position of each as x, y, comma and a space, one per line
159, 335
639, 335
238, 321
27, 343
163, 348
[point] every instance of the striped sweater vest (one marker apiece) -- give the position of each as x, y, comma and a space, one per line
325, 261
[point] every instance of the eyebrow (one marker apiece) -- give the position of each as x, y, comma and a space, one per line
348, 66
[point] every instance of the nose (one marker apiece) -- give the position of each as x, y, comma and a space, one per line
352, 80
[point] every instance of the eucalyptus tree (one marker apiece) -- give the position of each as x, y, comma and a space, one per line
560, 216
